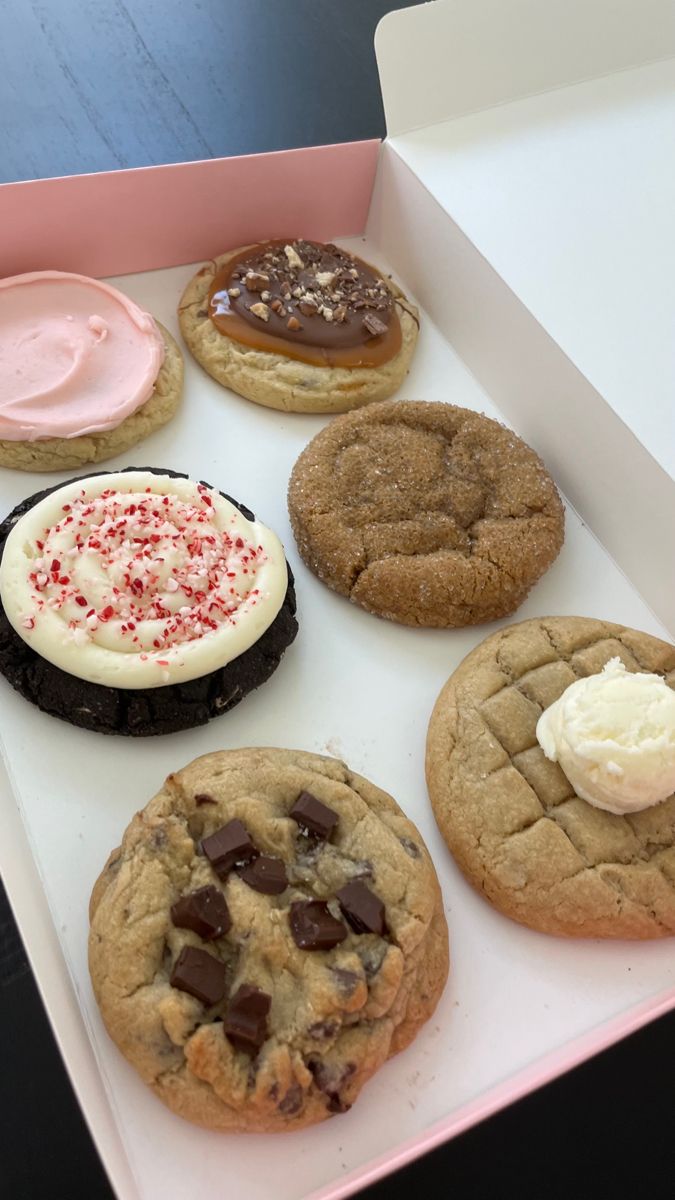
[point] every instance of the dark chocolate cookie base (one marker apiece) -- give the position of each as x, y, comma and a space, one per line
147, 711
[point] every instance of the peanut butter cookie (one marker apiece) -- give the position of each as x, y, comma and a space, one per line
270, 931
426, 514
511, 818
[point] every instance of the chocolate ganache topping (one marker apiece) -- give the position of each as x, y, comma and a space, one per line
307, 301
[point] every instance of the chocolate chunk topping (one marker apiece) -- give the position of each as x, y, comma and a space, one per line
374, 325
314, 927
204, 912
265, 874
245, 1022
204, 798
362, 908
200, 974
230, 846
314, 817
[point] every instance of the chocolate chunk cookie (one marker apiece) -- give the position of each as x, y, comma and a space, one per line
512, 819
426, 514
140, 712
270, 931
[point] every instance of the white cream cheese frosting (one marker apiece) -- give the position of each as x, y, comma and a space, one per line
136, 580
76, 356
614, 737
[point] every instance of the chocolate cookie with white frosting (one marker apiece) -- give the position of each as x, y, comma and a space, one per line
140, 602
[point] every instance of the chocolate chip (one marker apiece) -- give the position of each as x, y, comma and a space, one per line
374, 325
329, 1078
372, 958
363, 910
323, 1029
204, 798
245, 1022
204, 911
230, 846
266, 875
346, 980
314, 927
200, 974
314, 817
292, 1101
410, 847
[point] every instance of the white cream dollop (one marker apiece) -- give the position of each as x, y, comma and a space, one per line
136, 580
614, 737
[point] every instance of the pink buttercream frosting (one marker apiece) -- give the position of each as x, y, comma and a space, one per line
76, 356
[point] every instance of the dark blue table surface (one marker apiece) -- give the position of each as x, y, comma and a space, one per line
91, 85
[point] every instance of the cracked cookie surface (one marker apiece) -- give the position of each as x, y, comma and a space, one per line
511, 818
335, 1015
140, 712
425, 513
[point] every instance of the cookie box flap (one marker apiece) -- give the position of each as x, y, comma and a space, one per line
444, 60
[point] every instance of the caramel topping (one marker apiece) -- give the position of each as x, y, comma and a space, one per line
307, 301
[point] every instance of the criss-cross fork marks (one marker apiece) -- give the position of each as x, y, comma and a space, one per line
538, 806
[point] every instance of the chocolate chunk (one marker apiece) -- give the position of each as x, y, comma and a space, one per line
314, 817
229, 847
245, 1023
323, 1029
204, 912
204, 798
375, 327
410, 847
314, 927
266, 875
346, 980
292, 1101
329, 1078
199, 974
363, 910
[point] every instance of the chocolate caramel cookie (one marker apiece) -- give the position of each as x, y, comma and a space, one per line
520, 833
425, 513
302, 326
270, 931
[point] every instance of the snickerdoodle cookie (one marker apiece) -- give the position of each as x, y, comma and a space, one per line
301, 326
517, 828
84, 372
270, 931
425, 513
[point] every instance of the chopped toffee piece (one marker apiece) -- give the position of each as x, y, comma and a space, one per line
245, 1022
230, 846
314, 817
363, 910
314, 927
200, 974
306, 301
265, 874
204, 911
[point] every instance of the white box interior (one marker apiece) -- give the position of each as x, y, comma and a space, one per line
359, 688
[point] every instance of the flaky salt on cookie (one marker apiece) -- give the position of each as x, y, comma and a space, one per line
298, 325
543, 846
269, 933
84, 372
426, 514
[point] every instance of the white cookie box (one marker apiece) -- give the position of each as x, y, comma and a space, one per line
523, 198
